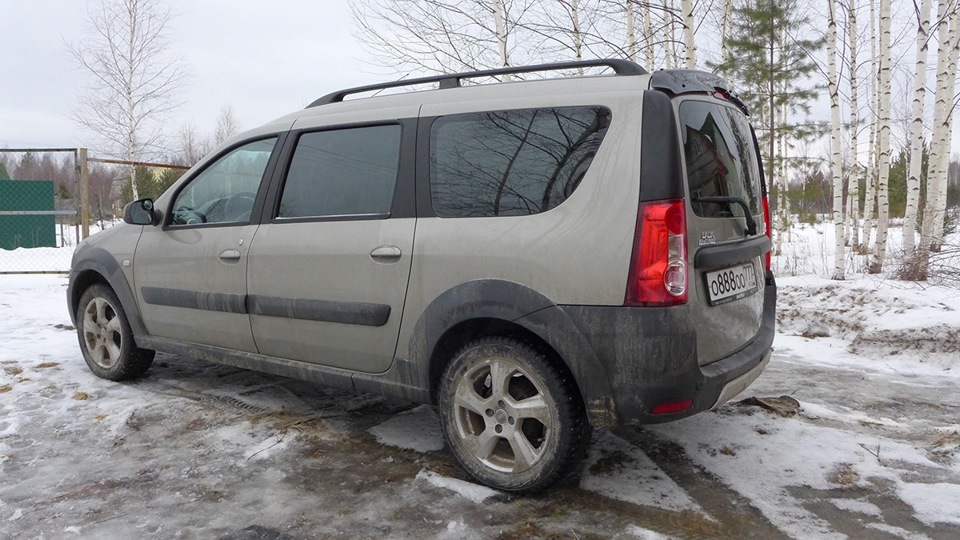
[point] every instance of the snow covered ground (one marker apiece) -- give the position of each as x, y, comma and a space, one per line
196, 450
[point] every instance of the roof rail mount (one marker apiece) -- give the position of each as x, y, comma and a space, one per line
619, 66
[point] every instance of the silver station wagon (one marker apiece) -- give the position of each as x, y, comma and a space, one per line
535, 257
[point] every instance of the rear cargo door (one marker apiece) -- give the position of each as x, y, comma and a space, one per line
727, 239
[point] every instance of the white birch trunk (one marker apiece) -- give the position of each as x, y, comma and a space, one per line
724, 30
577, 34
836, 169
937, 149
669, 50
854, 191
870, 201
689, 44
883, 116
648, 39
916, 131
946, 126
632, 33
500, 22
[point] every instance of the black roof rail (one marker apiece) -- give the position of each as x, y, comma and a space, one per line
452, 80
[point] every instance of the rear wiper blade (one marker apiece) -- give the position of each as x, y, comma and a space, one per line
751, 223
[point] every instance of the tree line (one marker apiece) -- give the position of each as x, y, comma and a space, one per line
781, 56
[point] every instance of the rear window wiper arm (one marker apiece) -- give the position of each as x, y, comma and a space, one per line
751, 223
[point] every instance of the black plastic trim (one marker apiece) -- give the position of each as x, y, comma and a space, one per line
357, 313
224, 302
101, 262
661, 172
678, 82
723, 255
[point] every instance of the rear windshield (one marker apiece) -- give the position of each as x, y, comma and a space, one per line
720, 157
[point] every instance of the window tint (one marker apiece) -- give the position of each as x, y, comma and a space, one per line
225, 191
512, 163
342, 172
720, 158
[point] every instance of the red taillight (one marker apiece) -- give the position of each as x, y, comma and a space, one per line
672, 407
658, 270
769, 229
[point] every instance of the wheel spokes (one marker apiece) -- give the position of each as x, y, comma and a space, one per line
102, 332
533, 407
483, 444
524, 454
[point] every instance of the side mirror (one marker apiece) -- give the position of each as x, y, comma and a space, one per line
140, 212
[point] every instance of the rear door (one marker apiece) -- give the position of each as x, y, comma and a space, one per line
327, 274
725, 223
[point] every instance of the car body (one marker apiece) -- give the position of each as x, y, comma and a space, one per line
537, 257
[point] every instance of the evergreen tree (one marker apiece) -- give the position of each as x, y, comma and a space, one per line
768, 62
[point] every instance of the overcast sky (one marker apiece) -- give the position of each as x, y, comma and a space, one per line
264, 59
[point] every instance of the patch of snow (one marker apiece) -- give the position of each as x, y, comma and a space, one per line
417, 429
858, 506
645, 534
933, 503
897, 531
619, 470
467, 490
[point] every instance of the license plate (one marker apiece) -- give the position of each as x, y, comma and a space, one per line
731, 284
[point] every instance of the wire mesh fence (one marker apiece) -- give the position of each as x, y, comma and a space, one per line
51, 199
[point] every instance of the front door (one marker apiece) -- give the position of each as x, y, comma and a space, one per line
191, 274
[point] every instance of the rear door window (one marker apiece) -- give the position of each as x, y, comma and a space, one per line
720, 158
512, 163
342, 172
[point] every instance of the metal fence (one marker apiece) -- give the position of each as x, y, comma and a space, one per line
43, 220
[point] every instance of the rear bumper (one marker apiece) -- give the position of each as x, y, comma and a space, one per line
648, 357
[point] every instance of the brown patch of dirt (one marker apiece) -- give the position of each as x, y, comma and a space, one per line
46, 365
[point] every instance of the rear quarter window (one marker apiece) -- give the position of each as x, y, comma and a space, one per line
720, 158
511, 163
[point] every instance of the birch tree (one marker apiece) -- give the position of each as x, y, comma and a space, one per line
870, 200
854, 190
689, 44
135, 77
442, 36
883, 118
916, 130
948, 49
835, 155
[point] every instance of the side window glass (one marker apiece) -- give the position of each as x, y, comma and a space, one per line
512, 163
225, 191
342, 172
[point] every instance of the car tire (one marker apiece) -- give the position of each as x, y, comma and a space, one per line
105, 336
512, 417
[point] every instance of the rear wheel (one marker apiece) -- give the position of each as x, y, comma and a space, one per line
512, 418
105, 336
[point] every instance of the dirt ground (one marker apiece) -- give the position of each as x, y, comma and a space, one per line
203, 451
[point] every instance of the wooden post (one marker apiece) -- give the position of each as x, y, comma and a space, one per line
84, 192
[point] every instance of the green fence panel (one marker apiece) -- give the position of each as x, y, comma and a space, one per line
27, 231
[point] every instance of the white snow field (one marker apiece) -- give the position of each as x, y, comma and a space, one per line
197, 450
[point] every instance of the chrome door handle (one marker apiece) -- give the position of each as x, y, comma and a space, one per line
386, 254
230, 255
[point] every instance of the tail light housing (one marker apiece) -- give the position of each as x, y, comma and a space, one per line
658, 267
767, 226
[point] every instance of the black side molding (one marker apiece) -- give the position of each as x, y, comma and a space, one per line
227, 303
710, 257
359, 313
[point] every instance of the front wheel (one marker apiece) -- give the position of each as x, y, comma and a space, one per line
512, 418
105, 336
